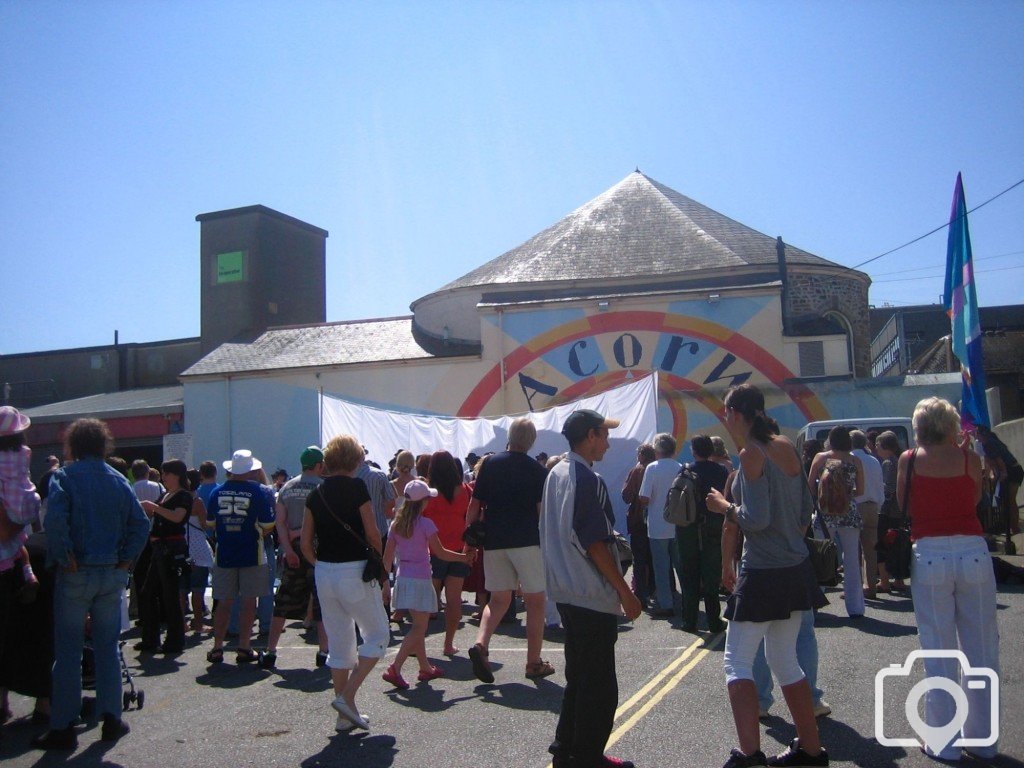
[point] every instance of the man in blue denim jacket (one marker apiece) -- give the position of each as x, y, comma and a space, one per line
95, 529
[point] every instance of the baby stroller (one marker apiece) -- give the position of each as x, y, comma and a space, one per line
131, 695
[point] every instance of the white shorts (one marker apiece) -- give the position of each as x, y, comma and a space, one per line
506, 569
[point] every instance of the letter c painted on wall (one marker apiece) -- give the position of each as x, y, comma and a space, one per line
574, 360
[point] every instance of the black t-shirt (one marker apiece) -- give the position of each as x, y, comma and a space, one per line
511, 485
43, 486
710, 475
164, 528
345, 495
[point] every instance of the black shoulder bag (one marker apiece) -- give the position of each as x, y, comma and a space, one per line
896, 540
374, 569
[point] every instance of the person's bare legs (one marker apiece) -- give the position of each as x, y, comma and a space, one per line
798, 699
414, 641
221, 616
743, 700
276, 630
492, 615
198, 609
246, 616
534, 626
350, 687
452, 612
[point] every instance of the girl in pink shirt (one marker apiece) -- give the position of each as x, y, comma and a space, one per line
412, 539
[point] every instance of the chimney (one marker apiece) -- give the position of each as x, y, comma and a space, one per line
780, 252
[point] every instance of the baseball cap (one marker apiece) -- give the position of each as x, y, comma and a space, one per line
417, 489
310, 457
582, 421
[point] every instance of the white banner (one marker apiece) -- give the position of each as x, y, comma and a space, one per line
384, 432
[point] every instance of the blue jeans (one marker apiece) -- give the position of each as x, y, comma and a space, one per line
264, 604
806, 656
664, 558
97, 591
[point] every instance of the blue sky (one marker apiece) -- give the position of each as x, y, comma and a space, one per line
429, 138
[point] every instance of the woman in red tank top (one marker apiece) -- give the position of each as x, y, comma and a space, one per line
952, 581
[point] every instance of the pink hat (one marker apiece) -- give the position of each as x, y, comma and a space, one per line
11, 421
417, 489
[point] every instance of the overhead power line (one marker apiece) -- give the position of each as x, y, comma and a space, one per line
937, 229
935, 277
941, 266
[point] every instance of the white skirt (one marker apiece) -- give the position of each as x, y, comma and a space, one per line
414, 595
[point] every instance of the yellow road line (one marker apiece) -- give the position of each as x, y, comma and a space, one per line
663, 692
656, 680
621, 731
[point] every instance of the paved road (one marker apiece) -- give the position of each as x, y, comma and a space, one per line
673, 705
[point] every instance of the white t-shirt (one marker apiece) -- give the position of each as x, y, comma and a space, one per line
658, 477
874, 486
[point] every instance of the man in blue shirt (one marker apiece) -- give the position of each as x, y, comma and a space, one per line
242, 515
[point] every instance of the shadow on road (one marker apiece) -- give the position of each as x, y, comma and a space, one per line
358, 748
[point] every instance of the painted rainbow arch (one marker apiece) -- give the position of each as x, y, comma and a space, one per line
673, 389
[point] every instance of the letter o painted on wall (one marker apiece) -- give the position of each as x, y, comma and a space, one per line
628, 350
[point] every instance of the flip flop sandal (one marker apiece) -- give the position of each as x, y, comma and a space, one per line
215, 656
246, 656
430, 674
481, 668
539, 669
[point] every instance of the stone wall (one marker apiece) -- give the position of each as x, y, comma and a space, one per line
815, 294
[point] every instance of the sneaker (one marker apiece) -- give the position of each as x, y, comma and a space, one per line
822, 709
113, 728
738, 760
63, 738
267, 659
342, 725
795, 756
321, 658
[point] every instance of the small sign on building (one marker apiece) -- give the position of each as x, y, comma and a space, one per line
179, 446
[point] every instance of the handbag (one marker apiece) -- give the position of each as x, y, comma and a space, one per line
623, 552
824, 556
374, 569
475, 534
898, 547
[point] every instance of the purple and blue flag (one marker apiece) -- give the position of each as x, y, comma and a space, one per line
961, 303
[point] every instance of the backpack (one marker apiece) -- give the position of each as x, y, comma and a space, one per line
833, 490
683, 503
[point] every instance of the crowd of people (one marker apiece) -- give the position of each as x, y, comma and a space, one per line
353, 547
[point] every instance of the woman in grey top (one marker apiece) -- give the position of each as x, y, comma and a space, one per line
775, 584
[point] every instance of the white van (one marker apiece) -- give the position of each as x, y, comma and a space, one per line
818, 430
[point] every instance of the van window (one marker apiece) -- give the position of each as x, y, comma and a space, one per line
899, 430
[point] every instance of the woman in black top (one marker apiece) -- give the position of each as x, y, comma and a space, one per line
337, 527
158, 595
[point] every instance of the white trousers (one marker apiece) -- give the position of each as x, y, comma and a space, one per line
743, 638
853, 591
954, 592
346, 601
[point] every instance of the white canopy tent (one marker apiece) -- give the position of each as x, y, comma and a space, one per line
383, 432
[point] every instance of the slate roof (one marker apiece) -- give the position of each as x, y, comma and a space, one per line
111, 405
314, 346
637, 228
